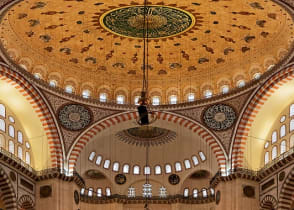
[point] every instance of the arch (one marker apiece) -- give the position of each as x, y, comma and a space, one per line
42, 110
269, 203
205, 135
7, 191
250, 112
25, 202
287, 191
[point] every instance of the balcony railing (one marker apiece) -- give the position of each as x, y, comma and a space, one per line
37, 174
169, 199
17, 160
277, 159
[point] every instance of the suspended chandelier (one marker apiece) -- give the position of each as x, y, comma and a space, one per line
145, 117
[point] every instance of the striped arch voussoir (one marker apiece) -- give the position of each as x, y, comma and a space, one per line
258, 100
7, 192
269, 202
26, 202
286, 196
41, 109
114, 120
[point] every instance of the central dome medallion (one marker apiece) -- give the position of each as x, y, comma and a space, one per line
163, 21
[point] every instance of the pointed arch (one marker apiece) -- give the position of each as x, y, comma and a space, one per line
287, 192
38, 103
25, 202
269, 202
8, 195
195, 127
256, 103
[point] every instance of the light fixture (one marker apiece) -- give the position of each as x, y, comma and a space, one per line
162, 192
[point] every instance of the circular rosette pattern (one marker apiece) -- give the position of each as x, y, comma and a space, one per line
74, 117
219, 117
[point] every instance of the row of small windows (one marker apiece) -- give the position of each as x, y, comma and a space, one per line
147, 169
278, 144
99, 192
195, 193
274, 151
13, 148
155, 100
11, 131
283, 133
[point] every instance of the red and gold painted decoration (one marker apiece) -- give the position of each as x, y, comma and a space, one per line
213, 40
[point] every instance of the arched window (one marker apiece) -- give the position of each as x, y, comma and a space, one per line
106, 164
240, 83
168, 169
2, 110
115, 166
274, 152
108, 191
19, 152
225, 89
195, 160
187, 164
136, 170
37, 75
283, 118
19, 137
126, 169
207, 93
90, 192
186, 192
120, 99
99, 192
202, 156
28, 158
2, 141
173, 99
69, 89
11, 119
292, 110
98, 160
11, 131
28, 146
204, 193
211, 191
266, 158
103, 97
195, 193
52, 83
178, 166
86, 93
155, 100
11, 146
157, 170
292, 141
2, 125
92, 156
274, 137
283, 131
292, 125
147, 170
136, 100
266, 144
82, 191
283, 147
191, 97
256, 76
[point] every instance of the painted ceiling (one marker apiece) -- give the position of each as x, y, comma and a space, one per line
192, 42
